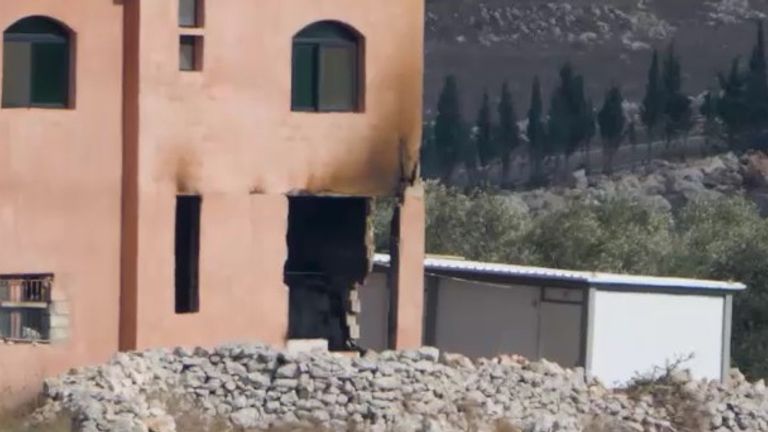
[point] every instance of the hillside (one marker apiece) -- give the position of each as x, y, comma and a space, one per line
484, 42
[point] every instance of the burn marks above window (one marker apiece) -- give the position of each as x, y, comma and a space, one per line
327, 68
36, 64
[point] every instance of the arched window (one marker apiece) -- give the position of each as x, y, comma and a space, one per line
327, 71
36, 69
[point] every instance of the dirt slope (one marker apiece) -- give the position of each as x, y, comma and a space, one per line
484, 42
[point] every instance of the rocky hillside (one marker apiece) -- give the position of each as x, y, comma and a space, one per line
664, 185
486, 41
254, 387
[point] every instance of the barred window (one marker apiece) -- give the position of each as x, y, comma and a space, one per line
25, 302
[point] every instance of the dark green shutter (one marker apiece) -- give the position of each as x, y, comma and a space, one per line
50, 74
304, 86
337, 81
17, 64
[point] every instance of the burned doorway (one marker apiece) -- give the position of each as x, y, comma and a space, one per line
328, 259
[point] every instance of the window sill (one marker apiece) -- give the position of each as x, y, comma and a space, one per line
311, 111
11, 341
24, 305
193, 30
36, 107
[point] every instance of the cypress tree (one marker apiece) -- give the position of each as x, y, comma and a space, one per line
611, 119
558, 124
430, 166
508, 135
484, 142
582, 119
449, 128
558, 118
571, 120
652, 108
469, 158
677, 106
672, 82
708, 111
757, 85
632, 138
535, 131
732, 106
589, 127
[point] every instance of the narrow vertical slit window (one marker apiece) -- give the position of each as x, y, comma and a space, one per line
190, 53
187, 253
191, 13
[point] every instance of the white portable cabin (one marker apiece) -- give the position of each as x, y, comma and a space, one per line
615, 326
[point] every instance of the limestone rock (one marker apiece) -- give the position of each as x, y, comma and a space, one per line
419, 390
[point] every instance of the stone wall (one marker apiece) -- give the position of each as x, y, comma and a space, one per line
252, 387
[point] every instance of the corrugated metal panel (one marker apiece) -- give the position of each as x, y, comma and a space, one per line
592, 278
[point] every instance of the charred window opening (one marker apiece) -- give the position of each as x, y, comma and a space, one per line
187, 253
327, 259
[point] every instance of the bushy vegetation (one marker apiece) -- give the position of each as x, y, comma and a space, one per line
723, 239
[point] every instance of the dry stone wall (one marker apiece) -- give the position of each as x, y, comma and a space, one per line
253, 387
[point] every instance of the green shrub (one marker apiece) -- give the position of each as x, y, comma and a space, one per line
619, 235
723, 239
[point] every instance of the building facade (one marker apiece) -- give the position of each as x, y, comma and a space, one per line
191, 172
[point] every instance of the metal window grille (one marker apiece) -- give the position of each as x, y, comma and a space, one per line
24, 307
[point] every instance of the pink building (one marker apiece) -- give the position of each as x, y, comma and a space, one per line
191, 172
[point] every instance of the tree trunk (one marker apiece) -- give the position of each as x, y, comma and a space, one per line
609, 162
650, 147
565, 169
535, 168
587, 146
633, 156
683, 155
447, 174
504, 170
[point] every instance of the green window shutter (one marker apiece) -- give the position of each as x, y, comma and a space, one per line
50, 74
304, 85
17, 63
337, 80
